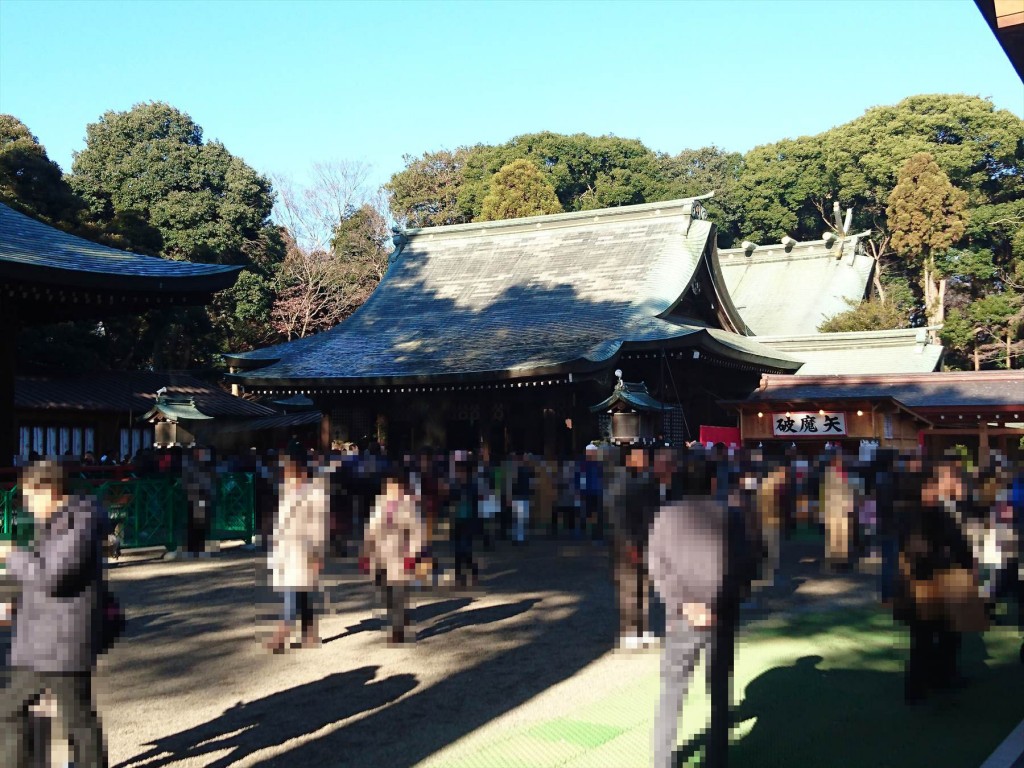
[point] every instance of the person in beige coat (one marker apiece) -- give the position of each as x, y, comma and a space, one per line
837, 505
298, 545
395, 537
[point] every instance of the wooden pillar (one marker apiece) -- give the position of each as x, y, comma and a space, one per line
484, 427
983, 446
551, 426
435, 433
325, 430
8, 434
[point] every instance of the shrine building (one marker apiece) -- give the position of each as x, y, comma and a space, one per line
501, 336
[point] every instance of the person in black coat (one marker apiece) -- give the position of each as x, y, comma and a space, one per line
702, 559
931, 541
57, 628
632, 510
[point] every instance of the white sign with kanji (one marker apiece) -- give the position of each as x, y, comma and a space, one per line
810, 424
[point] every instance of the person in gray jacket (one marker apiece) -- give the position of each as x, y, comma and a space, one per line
701, 560
57, 617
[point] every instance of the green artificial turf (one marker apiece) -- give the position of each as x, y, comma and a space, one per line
813, 691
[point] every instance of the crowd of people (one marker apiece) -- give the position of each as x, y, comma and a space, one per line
702, 527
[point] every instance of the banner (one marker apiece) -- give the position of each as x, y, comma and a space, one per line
728, 436
809, 424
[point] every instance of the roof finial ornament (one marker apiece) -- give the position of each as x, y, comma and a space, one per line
842, 228
399, 239
618, 375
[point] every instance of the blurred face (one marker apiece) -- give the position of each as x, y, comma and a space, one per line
41, 500
392, 488
637, 459
291, 469
950, 485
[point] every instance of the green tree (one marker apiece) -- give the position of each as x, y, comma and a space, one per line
985, 331
889, 310
587, 172
147, 176
926, 215
426, 192
869, 315
787, 187
29, 180
695, 172
519, 189
207, 204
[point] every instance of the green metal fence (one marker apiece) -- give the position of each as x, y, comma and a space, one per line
149, 512
234, 510
15, 523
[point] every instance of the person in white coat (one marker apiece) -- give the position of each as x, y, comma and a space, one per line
298, 545
395, 537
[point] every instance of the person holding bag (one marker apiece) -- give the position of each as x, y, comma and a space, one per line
937, 593
297, 550
395, 538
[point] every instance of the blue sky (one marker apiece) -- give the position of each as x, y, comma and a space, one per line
287, 84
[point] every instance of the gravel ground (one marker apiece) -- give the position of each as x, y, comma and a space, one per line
189, 685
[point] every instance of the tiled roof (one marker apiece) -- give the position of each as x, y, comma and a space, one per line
128, 392
32, 250
905, 350
780, 290
998, 390
280, 421
516, 298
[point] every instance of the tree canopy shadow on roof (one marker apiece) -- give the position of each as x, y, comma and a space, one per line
515, 303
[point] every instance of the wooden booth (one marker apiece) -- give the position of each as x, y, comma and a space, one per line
931, 412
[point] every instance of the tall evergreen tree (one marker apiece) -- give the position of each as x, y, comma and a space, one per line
926, 216
519, 189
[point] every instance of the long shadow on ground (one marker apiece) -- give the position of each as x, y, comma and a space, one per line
549, 652
417, 615
249, 727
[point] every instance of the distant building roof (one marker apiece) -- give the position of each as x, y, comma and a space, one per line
128, 392
790, 289
905, 350
175, 410
519, 298
33, 251
998, 391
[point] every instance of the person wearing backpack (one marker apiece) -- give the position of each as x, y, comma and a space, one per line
59, 626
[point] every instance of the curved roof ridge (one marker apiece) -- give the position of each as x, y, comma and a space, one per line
678, 207
802, 244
